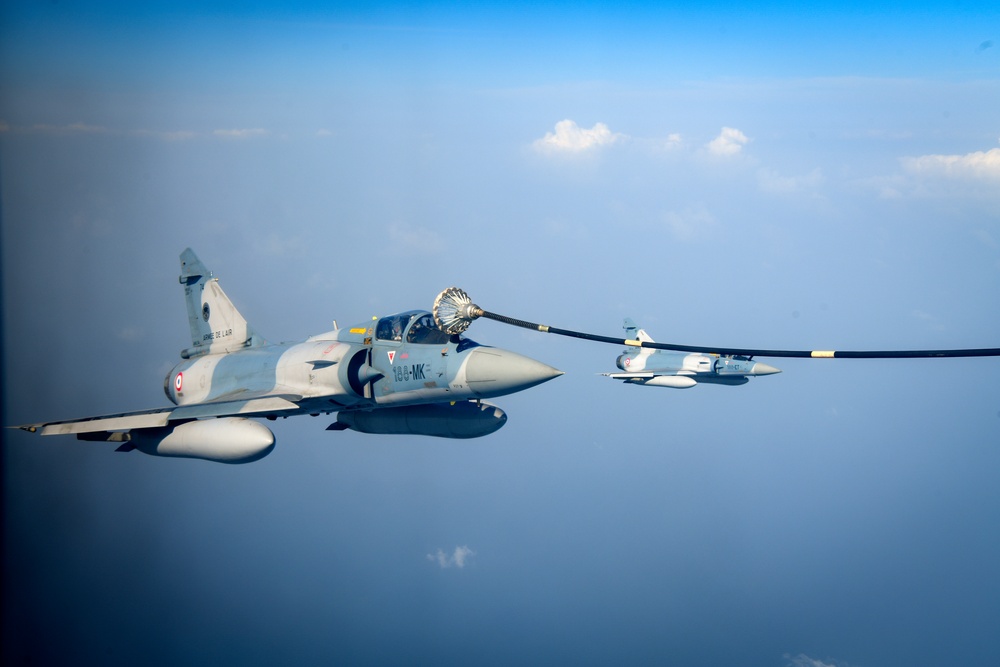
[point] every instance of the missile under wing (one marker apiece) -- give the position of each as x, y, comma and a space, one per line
396, 374
681, 370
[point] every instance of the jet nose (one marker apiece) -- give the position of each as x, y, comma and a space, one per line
764, 369
492, 372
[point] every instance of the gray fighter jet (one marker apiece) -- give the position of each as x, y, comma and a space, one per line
680, 370
396, 374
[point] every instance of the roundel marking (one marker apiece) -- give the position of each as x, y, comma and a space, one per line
205, 311
627, 361
179, 382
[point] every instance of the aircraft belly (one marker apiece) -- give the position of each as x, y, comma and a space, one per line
415, 396
733, 380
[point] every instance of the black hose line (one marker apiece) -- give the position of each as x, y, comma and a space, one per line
751, 352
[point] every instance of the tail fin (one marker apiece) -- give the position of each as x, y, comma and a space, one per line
633, 332
216, 325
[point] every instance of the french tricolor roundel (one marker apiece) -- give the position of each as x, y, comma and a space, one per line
179, 382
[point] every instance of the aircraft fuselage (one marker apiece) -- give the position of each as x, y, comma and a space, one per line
393, 361
680, 370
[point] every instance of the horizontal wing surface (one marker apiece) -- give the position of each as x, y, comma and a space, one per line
163, 416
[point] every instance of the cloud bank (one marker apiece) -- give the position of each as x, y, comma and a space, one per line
79, 128
241, 133
978, 165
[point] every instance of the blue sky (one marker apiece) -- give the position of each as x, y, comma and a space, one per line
758, 176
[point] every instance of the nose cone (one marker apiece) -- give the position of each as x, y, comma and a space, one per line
491, 372
764, 369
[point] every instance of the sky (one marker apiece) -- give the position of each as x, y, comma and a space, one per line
768, 175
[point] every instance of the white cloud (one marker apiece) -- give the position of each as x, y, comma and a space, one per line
729, 142
978, 165
458, 558
241, 133
461, 554
973, 177
570, 137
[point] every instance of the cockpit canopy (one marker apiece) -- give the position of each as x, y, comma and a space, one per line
413, 326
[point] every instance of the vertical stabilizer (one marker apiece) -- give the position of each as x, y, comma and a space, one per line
633, 332
216, 325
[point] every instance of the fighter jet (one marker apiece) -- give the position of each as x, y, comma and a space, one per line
396, 374
681, 370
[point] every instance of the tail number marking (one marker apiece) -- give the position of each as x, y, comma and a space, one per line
407, 373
